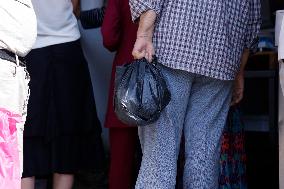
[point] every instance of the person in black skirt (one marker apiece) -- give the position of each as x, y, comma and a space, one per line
63, 133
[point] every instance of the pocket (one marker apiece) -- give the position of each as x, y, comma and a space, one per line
7, 71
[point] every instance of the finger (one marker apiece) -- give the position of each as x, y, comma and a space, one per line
137, 54
234, 98
238, 97
233, 102
237, 100
147, 57
151, 53
150, 58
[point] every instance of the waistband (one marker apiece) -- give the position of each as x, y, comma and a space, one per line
12, 57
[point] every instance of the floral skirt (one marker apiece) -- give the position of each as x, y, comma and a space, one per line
233, 156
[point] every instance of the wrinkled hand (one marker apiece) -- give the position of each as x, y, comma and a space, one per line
238, 90
143, 48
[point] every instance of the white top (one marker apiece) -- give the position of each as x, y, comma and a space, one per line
17, 26
56, 22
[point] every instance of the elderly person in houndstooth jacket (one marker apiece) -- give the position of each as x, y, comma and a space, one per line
203, 46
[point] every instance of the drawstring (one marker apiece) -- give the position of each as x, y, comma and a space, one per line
18, 64
17, 60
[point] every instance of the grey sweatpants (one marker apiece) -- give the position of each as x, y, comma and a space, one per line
199, 107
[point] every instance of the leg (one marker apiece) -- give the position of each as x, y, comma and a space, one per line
62, 181
28, 183
206, 115
160, 141
122, 150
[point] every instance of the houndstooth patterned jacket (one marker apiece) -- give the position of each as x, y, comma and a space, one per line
205, 37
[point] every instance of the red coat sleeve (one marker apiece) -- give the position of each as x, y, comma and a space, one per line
111, 28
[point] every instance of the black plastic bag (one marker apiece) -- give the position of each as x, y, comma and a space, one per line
141, 92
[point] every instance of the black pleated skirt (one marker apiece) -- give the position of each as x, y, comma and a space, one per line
62, 132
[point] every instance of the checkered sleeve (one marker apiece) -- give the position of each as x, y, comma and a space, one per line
138, 7
253, 26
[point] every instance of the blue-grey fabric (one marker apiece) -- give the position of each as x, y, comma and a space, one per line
205, 37
199, 107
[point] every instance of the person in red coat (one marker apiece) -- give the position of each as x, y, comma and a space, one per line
119, 34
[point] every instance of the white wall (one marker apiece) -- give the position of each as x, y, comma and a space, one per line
100, 63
